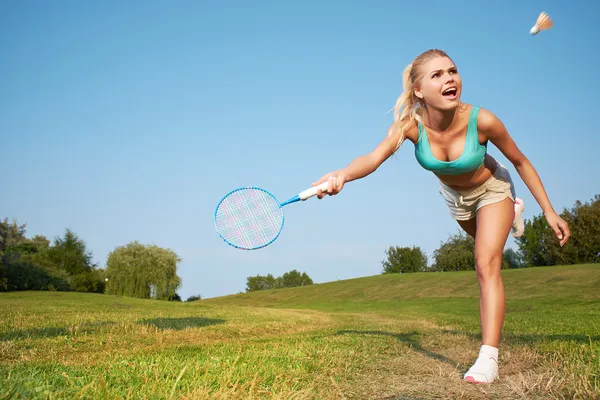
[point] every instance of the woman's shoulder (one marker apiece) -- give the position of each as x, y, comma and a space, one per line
405, 127
487, 120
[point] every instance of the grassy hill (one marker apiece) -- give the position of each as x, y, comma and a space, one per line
406, 336
574, 281
570, 293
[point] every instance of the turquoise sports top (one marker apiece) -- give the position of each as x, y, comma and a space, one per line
471, 158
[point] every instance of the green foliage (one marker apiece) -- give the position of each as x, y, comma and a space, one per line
40, 242
194, 298
69, 253
142, 271
511, 259
11, 234
539, 246
584, 223
91, 281
404, 259
26, 266
289, 279
456, 254
32, 264
175, 297
23, 275
294, 278
259, 282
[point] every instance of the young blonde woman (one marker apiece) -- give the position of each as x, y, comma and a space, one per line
450, 139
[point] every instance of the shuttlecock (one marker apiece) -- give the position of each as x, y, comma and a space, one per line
543, 22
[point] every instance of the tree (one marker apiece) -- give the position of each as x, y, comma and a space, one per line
24, 265
40, 242
11, 234
404, 259
539, 246
292, 278
175, 297
25, 275
70, 254
91, 281
584, 223
456, 254
142, 271
259, 282
511, 259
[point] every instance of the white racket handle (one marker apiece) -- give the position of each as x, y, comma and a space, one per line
313, 191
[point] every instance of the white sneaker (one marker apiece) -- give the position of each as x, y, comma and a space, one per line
485, 370
518, 224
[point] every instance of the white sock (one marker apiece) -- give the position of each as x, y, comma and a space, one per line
485, 369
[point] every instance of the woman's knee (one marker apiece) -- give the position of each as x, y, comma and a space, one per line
488, 265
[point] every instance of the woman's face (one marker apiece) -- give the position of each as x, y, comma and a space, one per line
440, 86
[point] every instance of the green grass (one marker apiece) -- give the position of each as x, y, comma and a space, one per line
386, 337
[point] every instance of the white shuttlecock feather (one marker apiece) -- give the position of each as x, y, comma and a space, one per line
543, 22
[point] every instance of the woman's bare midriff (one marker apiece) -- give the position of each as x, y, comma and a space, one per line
472, 179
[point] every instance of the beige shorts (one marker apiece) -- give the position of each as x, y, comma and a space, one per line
463, 205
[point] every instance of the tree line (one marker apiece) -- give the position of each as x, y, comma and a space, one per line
65, 264
289, 279
537, 247
149, 271
37, 264
134, 270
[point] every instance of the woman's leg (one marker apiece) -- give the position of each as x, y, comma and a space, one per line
469, 226
493, 224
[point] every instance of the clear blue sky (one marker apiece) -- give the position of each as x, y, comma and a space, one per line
130, 120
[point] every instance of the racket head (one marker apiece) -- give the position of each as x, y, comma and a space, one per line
249, 218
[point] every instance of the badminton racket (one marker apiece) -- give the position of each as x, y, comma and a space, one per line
250, 218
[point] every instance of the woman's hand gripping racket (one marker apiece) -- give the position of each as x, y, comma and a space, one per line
250, 218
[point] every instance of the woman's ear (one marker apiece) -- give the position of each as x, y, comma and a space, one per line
417, 92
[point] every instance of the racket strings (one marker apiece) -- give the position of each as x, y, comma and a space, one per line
249, 218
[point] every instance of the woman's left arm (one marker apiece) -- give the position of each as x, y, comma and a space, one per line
495, 131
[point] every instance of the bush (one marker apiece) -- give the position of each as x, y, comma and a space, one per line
456, 254
404, 259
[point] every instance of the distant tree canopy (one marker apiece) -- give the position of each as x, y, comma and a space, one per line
537, 247
511, 259
34, 264
136, 270
292, 278
66, 264
456, 254
142, 271
404, 259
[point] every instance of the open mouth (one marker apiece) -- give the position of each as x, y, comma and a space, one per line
450, 93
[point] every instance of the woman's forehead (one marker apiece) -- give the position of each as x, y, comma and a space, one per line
438, 63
